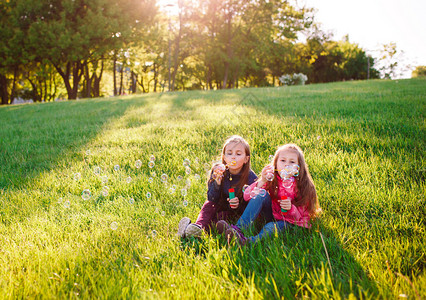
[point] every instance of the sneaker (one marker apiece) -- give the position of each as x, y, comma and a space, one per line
183, 224
222, 226
193, 230
236, 232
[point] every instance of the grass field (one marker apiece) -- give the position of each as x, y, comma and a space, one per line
364, 143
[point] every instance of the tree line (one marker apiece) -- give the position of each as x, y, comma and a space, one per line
52, 47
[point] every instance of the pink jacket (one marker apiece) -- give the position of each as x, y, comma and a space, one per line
297, 215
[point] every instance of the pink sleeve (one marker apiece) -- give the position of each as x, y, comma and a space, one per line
248, 190
299, 215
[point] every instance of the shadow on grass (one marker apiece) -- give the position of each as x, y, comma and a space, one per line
35, 138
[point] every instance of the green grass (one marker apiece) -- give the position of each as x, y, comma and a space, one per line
364, 143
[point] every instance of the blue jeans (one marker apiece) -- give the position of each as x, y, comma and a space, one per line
260, 205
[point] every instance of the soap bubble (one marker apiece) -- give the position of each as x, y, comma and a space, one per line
67, 204
77, 176
148, 195
105, 191
269, 176
97, 170
131, 201
270, 158
232, 163
179, 178
154, 233
129, 179
116, 167
138, 164
262, 192
104, 179
254, 192
87, 152
183, 192
150, 179
206, 167
164, 178
172, 189
113, 225
60, 200
151, 164
218, 171
188, 183
245, 187
86, 194
153, 174
185, 203
197, 176
152, 158
287, 183
188, 170
186, 162
163, 213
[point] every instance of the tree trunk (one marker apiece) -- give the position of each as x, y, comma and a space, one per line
114, 73
3, 90
77, 72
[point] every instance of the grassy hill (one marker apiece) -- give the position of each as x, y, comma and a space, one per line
364, 143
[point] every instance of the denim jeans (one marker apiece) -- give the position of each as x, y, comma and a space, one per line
260, 205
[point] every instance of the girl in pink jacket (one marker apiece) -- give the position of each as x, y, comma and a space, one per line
285, 187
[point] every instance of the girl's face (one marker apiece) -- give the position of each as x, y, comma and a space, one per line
286, 158
235, 157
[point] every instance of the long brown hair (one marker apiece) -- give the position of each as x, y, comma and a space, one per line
306, 192
245, 170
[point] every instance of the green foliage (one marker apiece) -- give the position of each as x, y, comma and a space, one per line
419, 71
364, 145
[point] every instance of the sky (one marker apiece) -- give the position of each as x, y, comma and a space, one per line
372, 23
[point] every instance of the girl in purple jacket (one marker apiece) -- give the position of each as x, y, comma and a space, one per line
232, 173
290, 192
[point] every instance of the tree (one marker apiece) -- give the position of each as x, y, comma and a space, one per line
419, 71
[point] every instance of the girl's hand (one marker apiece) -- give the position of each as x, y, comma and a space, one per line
218, 173
234, 202
285, 204
266, 170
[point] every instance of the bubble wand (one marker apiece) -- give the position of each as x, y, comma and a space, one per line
231, 196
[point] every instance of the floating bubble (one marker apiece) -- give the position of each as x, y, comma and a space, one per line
105, 191
116, 167
67, 204
269, 176
197, 176
60, 200
151, 164
287, 183
206, 167
186, 162
138, 164
271, 158
197, 160
153, 174
218, 171
318, 137
131, 201
254, 192
185, 203
172, 189
148, 195
150, 179
183, 192
97, 170
86, 194
104, 179
245, 187
87, 152
164, 178
154, 233
188, 183
152, 158
77, 176
179, 178
262, 192
113, 225
163, 213
188, 170
129, 179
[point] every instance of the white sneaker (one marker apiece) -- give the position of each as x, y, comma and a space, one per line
193, 230
183, 223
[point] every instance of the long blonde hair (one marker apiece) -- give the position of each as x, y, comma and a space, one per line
306, 192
